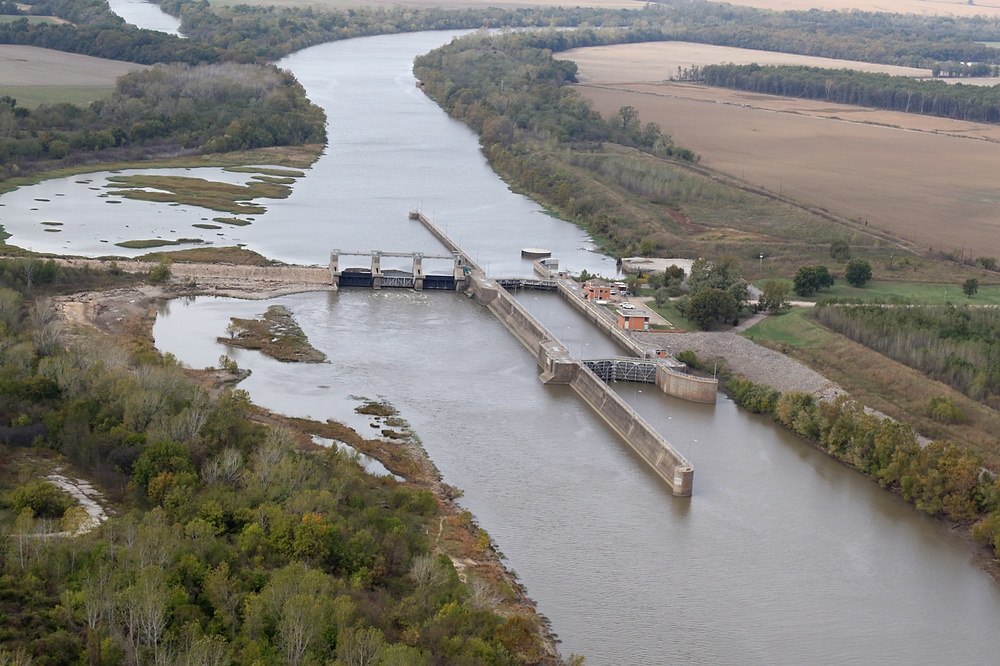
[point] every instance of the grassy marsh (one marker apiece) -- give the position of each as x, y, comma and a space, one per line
157, 242
213, 195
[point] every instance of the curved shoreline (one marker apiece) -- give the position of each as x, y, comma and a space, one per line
114, 312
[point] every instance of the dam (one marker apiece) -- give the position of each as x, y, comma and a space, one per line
587, 378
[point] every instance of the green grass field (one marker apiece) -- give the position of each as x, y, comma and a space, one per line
673, 315
31, 19
905, 292
31, 97
793, 328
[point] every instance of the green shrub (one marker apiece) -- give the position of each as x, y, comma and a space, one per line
44, 499
944, 410
160, 272
758, 398
689, 358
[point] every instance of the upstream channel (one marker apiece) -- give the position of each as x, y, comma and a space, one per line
782, 555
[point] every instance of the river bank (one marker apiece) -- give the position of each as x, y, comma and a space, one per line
128, 315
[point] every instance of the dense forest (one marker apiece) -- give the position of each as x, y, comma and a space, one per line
844, 86
235, 541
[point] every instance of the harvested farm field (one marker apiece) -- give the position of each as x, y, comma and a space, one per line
658, 61
920, 7
33, 66
35, 76
925, 180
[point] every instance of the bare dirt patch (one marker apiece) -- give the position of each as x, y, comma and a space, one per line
33, 66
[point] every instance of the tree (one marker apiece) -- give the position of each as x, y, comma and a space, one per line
360, 647
711, 305
774, 296
970, 287
42, 498
858, 272
629, 116
840, 250
810, 279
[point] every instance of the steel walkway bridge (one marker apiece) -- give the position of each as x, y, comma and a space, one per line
527, 284
642, 371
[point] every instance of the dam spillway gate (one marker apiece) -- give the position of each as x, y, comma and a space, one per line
374, 277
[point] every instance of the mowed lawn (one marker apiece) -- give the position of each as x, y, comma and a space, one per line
927, 188
36, 76
900, 292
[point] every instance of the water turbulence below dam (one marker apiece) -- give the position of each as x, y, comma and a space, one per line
782, 555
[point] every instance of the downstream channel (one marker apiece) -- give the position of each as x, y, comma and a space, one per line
782, 555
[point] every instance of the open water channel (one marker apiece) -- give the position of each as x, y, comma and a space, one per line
781, 556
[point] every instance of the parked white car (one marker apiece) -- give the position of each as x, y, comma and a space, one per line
627, 306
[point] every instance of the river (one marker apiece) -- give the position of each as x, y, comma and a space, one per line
782, 556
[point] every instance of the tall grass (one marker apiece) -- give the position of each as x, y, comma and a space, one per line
657, 181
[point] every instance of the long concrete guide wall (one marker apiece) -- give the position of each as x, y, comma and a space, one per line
558, 367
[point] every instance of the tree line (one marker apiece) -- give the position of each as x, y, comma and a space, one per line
531, 122
845, 86
892, 39
937, 478
953, 344
94, 30
163, 110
